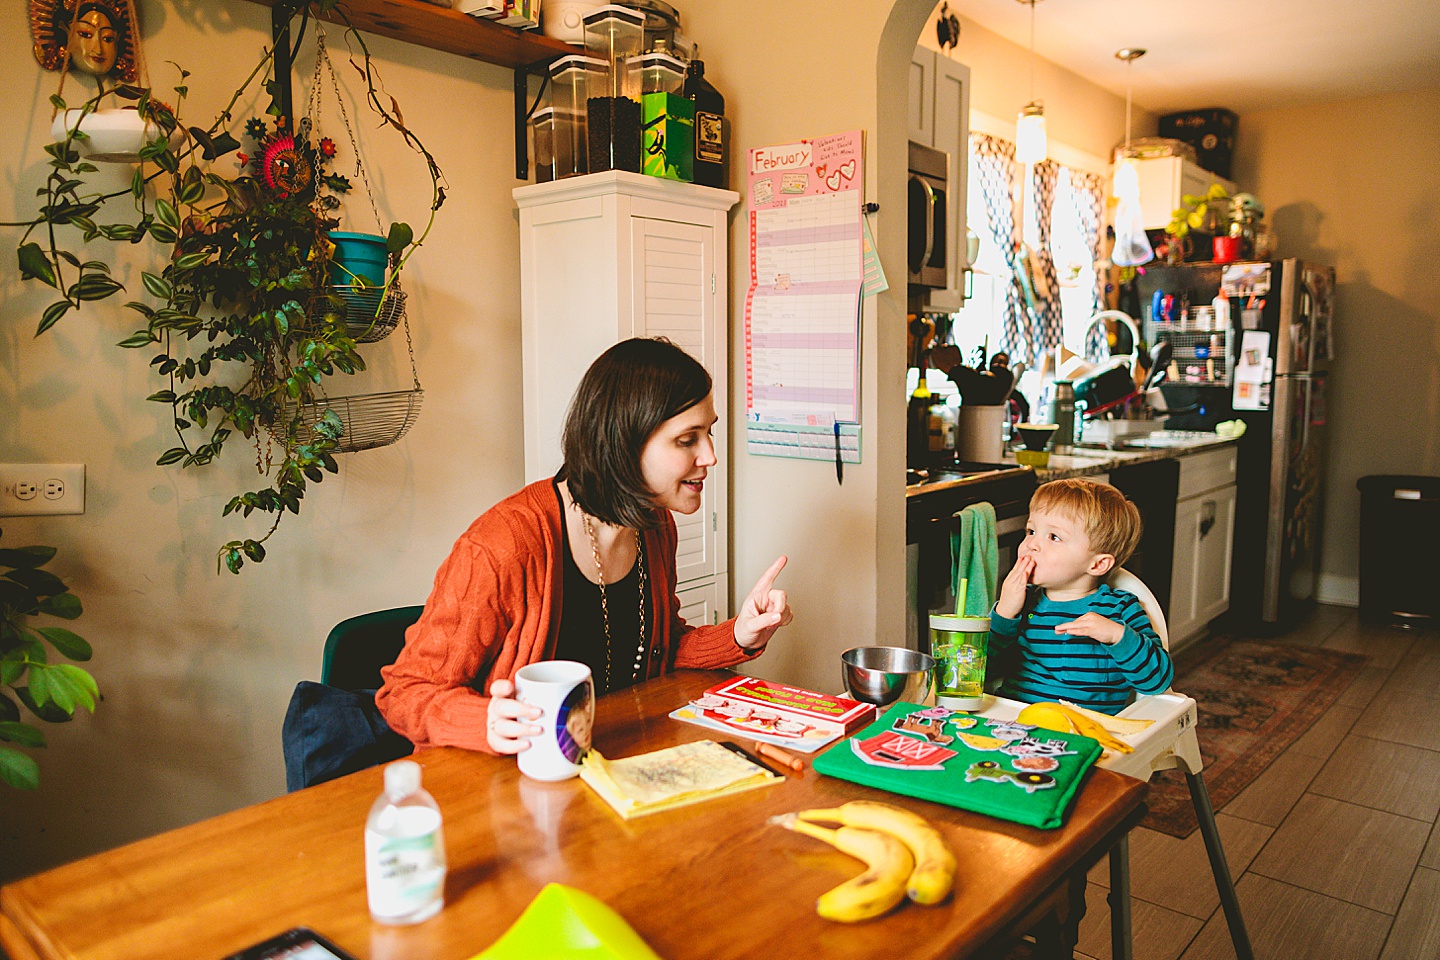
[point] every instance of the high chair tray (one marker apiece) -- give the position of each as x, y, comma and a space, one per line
1174, 714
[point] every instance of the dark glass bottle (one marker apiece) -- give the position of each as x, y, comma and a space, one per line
710, 146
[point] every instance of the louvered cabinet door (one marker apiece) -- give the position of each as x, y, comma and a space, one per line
674, 284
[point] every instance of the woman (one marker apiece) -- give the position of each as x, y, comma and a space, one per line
578, 567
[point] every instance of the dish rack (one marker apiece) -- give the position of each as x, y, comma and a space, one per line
1200, 357
1115, 433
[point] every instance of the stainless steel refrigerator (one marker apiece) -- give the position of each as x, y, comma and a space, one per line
1268, 367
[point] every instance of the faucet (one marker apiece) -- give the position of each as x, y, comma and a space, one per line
1122, 317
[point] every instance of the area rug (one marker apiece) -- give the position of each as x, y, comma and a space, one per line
1255, 700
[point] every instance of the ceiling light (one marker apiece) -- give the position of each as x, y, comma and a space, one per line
1030, 146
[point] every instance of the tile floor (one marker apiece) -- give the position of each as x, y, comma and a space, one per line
1335, 848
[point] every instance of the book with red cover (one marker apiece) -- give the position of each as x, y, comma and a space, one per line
790, 717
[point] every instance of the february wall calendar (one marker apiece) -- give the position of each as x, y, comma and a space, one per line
802, 309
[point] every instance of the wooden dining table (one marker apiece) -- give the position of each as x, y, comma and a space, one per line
712, 880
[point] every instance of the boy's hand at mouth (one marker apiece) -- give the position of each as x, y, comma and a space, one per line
1012, 591
1095, 627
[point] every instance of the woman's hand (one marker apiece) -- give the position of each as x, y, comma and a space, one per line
505, 728
764, 611
1012, 591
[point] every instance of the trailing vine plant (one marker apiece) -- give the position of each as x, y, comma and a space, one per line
245, 331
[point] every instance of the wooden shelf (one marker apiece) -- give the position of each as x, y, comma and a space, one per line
441, 28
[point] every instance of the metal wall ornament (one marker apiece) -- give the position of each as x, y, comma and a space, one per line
98, 37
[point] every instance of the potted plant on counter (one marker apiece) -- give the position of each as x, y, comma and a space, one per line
229, 312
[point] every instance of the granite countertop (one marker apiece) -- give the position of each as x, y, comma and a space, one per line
1161, 445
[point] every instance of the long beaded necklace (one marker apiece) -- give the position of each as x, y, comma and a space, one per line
604, 603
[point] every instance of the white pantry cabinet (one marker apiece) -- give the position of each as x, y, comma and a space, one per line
1204, 535
609, 256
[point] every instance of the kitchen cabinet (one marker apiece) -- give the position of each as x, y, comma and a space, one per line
939, 117
1204, 537
609, 256
1164, 181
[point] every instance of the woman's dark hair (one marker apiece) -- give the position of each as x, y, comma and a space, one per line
627, 393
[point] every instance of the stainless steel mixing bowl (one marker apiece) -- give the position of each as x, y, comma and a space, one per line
883, 675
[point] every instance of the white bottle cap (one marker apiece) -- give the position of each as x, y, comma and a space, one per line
402, 778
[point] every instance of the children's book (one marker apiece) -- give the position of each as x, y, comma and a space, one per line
673, 777
774, 713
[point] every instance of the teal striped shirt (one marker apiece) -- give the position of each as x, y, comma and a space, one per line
1057, 666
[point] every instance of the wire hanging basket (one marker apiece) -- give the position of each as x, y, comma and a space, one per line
369, 420
373, 419
367, 319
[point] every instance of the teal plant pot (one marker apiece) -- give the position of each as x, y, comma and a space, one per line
358, 255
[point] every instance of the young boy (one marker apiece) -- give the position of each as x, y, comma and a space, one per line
1079, 639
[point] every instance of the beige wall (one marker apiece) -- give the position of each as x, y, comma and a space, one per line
1356, 184
196, 669
1078, 113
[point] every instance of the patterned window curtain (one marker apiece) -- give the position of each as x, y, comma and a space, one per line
1046, 328
1088, 193
995, 163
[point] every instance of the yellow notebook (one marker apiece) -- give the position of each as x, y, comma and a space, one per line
674, 777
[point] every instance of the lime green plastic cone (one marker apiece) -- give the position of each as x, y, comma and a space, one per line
562, 922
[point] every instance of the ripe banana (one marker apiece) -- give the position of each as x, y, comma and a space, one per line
1067, 719
1120, 725
934, 873
888, 865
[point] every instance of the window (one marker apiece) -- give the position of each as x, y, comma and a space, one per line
1073, 222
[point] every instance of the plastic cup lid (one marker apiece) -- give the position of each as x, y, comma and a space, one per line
940, 621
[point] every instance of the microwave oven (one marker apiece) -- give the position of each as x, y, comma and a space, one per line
928, 192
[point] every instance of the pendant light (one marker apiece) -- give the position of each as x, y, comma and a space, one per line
1030, 146
1132, 247
1125, 174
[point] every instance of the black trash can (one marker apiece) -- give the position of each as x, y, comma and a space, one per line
1399, 565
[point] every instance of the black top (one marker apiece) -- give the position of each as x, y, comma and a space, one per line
582, 623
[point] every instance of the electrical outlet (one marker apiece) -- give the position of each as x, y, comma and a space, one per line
29, 489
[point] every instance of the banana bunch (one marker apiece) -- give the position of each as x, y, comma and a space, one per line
904, 856
1067, 718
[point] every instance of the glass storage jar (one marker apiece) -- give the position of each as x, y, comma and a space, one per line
614, 34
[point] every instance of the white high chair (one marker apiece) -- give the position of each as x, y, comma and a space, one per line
1168, 742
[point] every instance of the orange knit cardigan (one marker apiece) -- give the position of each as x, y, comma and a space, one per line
495, 607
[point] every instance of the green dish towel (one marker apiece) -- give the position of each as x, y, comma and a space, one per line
999, 768
975, 559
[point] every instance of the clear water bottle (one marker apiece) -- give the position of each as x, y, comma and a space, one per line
404, 850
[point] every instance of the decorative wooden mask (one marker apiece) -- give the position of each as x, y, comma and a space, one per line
97, 37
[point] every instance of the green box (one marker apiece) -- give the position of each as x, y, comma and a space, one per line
668, 136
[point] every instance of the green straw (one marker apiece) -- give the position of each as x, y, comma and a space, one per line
960, 593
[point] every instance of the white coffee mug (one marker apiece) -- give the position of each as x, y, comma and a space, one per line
565, 692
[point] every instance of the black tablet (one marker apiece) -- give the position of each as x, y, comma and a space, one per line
301, 943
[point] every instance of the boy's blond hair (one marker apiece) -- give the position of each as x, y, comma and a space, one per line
1111, 522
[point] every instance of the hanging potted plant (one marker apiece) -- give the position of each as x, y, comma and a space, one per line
229, 306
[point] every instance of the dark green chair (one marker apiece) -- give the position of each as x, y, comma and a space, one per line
332, 727
358, 647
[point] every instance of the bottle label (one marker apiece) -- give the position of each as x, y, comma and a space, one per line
403, 873
709, 137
